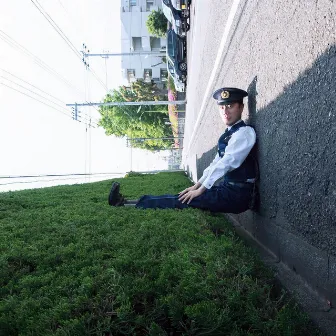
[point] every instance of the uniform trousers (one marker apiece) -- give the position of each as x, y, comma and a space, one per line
225, 197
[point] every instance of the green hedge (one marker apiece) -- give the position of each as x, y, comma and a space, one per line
72, 265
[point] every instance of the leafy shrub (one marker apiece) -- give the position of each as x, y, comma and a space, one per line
72, 265
157, 23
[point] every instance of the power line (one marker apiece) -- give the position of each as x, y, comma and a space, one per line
36, 99
36, 94
35, 181
137, 103
32, 92
53, 175
86, 83
9, 40
64, 37
98, 79
16, 45
87, 66
73, 21
57, 28
62, 106
31, 85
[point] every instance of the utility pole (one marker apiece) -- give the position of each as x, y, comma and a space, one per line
133, 53
75, 113
129, 141
174, 102
86, 53
178, 111
162, 138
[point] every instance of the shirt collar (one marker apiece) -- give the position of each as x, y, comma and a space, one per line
229, 127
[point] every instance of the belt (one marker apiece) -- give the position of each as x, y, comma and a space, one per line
241, 184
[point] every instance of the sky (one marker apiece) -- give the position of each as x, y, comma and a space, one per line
35, 138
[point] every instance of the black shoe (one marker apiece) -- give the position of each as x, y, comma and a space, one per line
115, 198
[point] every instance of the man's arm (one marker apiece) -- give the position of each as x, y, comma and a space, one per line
197, 189
206, 170
204, 176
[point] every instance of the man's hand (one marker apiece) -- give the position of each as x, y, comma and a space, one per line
187, 190
190, 193
194, 187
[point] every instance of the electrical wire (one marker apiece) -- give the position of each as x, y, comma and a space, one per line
10, 87
72, 21
65, 38
67, 177
106, 71
53, 175
5, 37
98, 79
57, 28
9, 40
30, 84
36, 99
89, 133
36, 181
62, 106
39, 96
86, 74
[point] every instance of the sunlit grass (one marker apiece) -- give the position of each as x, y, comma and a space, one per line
72, 265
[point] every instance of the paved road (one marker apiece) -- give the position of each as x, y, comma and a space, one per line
284, 54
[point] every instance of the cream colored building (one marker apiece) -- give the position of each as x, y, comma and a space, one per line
136, 38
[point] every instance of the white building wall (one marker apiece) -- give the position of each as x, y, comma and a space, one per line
133, 20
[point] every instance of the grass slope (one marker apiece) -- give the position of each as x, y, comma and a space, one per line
72, 265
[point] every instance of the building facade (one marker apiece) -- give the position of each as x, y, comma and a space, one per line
136, 38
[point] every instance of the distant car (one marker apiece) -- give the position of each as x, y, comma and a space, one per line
183, 6
179, 85
179, 24
177, 55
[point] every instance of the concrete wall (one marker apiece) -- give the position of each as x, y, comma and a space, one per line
284, 54
297, 155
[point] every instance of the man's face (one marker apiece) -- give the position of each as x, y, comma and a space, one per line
231, 113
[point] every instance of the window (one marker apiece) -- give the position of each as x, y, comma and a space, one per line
155, 43
149, 3
147, 75
133, 3
137, 43
163, 75
131, 75
171, 45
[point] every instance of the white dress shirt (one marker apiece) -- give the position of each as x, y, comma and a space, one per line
239, 146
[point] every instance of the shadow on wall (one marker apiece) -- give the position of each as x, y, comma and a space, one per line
204, 161
297, 154
297, 157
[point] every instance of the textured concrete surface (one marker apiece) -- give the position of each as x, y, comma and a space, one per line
284, 54
312, 302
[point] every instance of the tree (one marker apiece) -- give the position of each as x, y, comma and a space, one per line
157, 23
135, 122
146, 91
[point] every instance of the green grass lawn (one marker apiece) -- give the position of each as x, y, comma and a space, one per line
72, 265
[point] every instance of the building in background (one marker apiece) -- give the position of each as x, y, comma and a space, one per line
136, 38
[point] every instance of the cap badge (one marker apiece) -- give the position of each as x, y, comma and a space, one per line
225, 94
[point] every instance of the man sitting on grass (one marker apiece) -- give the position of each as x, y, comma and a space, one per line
233, 160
